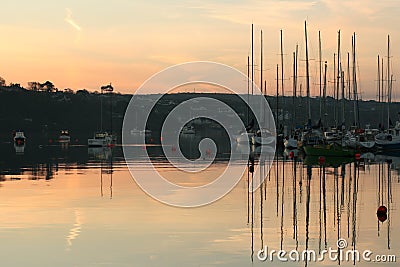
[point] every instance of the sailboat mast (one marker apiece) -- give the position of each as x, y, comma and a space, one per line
379, 83
307, 73
334, 89
248, 89
282, 77
348, 76
277, 95
320, 74
343, 99
261, 78
356, 117
294, 90
388, 81
324, 90
261, 63
382, 93
283, 89
296, 72
252, 59
338, 74
101, 110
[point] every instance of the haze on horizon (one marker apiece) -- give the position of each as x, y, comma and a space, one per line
86, 44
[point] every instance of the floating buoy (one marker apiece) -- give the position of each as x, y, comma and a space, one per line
321, 160
251, 168
381, 213
358, 156
291, 154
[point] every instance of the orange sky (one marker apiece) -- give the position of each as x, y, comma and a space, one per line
87, 44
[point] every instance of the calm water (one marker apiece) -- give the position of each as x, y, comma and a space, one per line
80, 207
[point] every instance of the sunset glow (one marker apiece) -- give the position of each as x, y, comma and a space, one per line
84, 44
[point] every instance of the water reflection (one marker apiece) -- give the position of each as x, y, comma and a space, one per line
332, 209
75, 230
304, 203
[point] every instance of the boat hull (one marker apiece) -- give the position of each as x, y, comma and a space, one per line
263, 141
290, 143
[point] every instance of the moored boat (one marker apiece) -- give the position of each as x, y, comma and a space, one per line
263, 137
102, 139
19, 138
64, 137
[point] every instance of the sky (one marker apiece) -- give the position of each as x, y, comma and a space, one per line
86, 44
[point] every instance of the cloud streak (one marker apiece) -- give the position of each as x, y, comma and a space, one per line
70, 21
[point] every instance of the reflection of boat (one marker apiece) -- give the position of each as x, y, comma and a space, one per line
19, 149
329, 161
19, 138
101, 140
333, 150
245, 137
263, 137
291, 153
99, 153
64, 137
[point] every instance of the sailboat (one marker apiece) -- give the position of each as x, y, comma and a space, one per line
102, 139
313, 143
290, 142
389, 139
247, 136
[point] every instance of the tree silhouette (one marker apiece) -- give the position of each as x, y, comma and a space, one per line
2, 81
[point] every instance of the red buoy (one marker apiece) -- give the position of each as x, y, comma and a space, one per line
358, 156
321, 160
291, 154
382, 213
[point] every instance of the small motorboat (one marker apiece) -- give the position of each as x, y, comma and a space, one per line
102, 139
19, 138
64, 137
